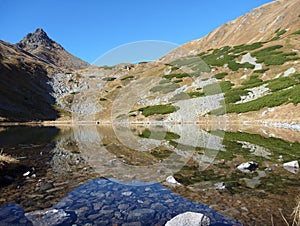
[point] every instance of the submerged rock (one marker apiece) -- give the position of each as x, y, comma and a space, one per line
189, 219
248, 167
52, 217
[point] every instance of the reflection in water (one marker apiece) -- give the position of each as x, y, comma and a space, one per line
111, 157
203, 162
104, 202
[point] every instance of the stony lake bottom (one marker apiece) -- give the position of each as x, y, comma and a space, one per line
118, 175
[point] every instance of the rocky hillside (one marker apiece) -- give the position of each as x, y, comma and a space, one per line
27, 71
243, 71
25, 94
259, 25
40, 45
248, 66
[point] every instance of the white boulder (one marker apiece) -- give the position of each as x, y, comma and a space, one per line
189, 219
172, 180
292, 166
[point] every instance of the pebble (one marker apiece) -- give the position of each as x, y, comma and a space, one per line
127, 193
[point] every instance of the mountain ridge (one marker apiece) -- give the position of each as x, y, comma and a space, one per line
257, 25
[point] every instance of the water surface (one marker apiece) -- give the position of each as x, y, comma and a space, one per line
59, 168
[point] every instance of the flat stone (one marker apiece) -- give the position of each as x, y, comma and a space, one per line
127, 193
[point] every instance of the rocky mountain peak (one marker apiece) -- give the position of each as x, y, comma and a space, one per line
37, 39
40, 45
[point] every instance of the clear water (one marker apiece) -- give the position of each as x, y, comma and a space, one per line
108, 175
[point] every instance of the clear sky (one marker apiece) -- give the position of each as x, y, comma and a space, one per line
90, 28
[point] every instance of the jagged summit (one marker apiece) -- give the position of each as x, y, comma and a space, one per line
40, 45
36, 39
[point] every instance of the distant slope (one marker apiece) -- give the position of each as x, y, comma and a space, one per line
40, 45
258, 25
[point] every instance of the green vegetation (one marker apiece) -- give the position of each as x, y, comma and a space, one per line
103, 99
280, 94
195, 94
261, 71
170, 76
216, 88
276, 145
174, 68
253, 80
178, 81
109, 79
281, 83
234, 95
227, 55
157, 109
271, 100
164, 81
74, 93
296, 32
236, 66
220, 75
296, 76
278, 34
159, 135
167, 88
128, 77
243, 48
270, 56
192, 62
219, 57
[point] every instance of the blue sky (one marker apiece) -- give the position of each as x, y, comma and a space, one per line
90, 28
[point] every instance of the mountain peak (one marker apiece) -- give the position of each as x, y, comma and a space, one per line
40, 45
37, 39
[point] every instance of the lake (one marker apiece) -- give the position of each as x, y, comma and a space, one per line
146, 175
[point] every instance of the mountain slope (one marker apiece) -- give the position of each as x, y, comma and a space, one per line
258, 25
40, 45
24, 90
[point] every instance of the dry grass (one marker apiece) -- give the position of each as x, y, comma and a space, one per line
4, 158
296, 214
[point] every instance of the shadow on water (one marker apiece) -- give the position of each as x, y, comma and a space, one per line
31, 147
106, 202
22, 135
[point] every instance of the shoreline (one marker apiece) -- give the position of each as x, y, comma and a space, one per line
213, 123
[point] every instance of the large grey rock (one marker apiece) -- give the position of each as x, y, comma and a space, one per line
189, 219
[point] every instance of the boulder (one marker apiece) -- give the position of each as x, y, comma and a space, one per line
292, 166
248, 167
189, 219
172, 180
